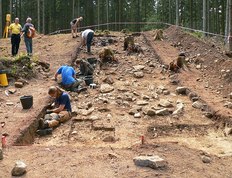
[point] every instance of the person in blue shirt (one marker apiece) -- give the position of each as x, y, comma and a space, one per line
69, 81
60, 112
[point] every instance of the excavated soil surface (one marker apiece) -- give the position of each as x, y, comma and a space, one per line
103, 138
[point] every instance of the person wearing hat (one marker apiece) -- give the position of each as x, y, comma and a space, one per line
15, 32
27, 39
75, 23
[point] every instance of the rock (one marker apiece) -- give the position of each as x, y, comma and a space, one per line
145, 97
23, 81
138, 67
165, 103
166, 92
230, 95
150, 161
123, 89
1, 154
109, 139
106, 88
228, 105
19, 169
137, 115
192, 95
135, 109
198, 105
142, 103
150, 112
227, 131
179, 110
9, 103
195, 99
182, 90
108, 80
162, 112
93, 118
198, 66
74, 133
138, 74
12, 90
206, 159
87, 112
18, 84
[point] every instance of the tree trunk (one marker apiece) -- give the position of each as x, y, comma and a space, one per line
73, 9
204, 16
177, 12
1, 21
38, 14
107, 13
43, 17
230, 25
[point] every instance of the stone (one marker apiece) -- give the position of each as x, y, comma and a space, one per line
166, 92
87, 112
106, 88
123, 89
179, 110
74, 133
137, 115
12, 90
138, 75
150, 161
108, 80
109, 139
19, 169
142, 103
192, 95
198, 105
93, 118
227, 131
138, 67
206, 159
230, 95
150, 112
228, 105
162, 112
134, 110
1, 154
9, 103
145, 97
182, 90
165, 103
18, 84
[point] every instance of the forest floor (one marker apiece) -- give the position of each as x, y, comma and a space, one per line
105, 135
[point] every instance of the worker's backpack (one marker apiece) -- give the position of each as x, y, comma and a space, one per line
31, 32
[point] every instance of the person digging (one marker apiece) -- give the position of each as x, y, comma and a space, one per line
69, 81
60, 113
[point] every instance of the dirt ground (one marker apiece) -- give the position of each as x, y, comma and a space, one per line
103, 138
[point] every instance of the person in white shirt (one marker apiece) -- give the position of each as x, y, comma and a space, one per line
87, 38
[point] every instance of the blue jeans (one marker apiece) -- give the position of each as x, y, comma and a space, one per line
89, 41
28, 43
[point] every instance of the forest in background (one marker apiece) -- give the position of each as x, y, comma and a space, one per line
52, 15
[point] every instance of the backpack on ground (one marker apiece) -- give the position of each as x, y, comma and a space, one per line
31, 32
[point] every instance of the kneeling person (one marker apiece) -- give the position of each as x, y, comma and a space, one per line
61, 112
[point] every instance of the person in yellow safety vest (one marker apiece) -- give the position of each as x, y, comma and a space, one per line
15, 32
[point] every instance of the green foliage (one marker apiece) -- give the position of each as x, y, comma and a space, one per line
196, 34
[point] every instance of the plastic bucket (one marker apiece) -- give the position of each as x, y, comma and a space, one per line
3, 78
88, 80
26, 101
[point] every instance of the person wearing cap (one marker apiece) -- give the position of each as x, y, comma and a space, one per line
75, 23
60, 112
87, 38
28, 40
15, 32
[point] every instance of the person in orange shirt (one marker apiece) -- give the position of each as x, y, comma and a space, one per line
15, 32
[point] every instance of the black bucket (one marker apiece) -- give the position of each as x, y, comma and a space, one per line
26, 101
88, 80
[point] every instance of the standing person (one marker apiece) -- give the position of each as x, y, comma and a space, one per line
75, 23
87, 38
60, 113
27, 38
15, 32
